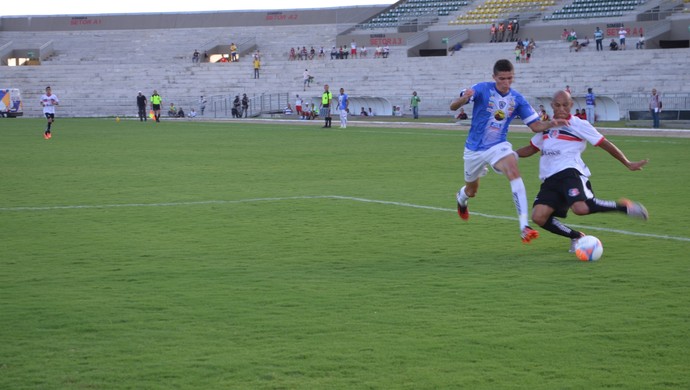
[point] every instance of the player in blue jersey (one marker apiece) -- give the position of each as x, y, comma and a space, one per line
495, 106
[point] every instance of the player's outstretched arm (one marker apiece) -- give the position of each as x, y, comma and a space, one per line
540, 126
620, 156
462, 100
527, 151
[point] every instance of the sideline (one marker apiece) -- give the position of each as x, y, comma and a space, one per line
456, 126
335, 197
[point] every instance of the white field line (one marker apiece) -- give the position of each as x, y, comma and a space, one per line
338, 197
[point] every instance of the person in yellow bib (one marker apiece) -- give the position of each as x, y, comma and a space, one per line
156, 102
326, 99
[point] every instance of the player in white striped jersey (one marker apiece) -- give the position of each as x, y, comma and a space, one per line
565, 176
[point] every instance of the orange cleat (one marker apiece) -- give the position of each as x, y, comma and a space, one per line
528, 234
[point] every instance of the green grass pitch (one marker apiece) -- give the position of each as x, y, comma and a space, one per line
285, 256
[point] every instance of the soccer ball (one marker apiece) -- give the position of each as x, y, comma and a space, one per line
589, 248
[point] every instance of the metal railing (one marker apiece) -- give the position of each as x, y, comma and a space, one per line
220, 106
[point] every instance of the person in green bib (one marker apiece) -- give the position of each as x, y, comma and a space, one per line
156, 102
326, 99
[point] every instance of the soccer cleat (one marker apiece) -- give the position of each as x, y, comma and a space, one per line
636, 210
463, 212
528, 234
462, 208
45, 135
573, 243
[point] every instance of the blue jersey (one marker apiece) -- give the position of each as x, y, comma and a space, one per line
589, 99
342, 102
492, 114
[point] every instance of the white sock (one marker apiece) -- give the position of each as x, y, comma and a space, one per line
520, 199
462, 197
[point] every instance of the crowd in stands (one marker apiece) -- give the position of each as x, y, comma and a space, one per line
336, 52
577, 45
524, 49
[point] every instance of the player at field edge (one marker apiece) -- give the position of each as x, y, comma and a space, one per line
565, 176
495, 106
48, 102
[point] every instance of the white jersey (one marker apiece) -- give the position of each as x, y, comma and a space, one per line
561, 147
49, 103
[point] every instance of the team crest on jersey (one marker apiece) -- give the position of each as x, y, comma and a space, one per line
502, 104
573, 192
553, 133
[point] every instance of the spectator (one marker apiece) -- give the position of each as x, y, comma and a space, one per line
572, 36
640, 42
544, 116
303, 54
307, 79
585, 43
456, 47
172, 111
192, 114
287, 110
492, 33
621, 36
202, 104
312, 53
574, 46
655, 108
306, 111
577, 113
233, 53
386, 51
516, 28
565, 34
363, 113
257, 66
195, 57
501, 31
180, 113
245, 105
414, 103
613, 46
371, 113
298, 106
518, 50
462, 115
567, 89
363, 52
528, 49
236, 107
223, 58
322, 53
599, 39
292, 56
353, 49
509, 28
379, 52
334, 53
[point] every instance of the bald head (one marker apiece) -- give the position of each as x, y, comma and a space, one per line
561, 104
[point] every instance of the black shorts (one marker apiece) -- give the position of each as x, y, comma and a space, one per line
156, 107
563, 189
49, 115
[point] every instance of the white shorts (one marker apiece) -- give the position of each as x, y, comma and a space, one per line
476, 162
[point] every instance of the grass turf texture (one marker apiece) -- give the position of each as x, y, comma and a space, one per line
173, 290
